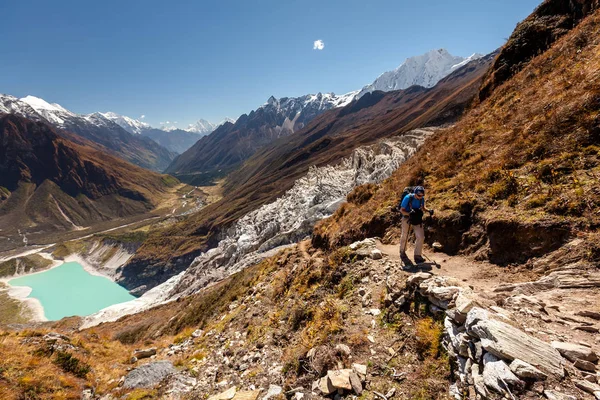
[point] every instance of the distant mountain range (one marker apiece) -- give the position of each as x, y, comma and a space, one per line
232, 143
425, 70
228, 146
100, 131
209, 150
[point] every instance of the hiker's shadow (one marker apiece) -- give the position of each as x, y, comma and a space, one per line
409, 266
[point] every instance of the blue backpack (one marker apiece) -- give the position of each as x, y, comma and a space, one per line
409, 191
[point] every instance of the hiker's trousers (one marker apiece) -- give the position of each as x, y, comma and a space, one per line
419, 237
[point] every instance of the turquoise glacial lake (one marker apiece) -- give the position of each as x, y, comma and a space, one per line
69, 290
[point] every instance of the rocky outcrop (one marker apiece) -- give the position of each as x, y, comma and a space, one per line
491, 353
148, 375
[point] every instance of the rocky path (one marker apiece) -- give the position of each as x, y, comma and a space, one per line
556, 304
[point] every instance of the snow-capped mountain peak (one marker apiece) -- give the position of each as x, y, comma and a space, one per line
41, 104
226, 119
424, 70
201, 127
52, 112
129, 124
467, 60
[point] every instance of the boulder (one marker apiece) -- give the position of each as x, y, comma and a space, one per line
340, 379
273, 391
144, 353
526, 371
376, 254
465, 301
323, 385
496, 374
509, 343
149, 375
573, 352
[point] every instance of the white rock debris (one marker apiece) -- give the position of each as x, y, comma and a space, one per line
263, 232
292, 217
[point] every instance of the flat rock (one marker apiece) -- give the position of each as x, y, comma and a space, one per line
148, 375
573, 352
589, 314
526, 371
340, 379
585, 365
554, 395
247, 395
586, 386
510, 343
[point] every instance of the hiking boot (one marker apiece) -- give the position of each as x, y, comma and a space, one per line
419, 259
403, 254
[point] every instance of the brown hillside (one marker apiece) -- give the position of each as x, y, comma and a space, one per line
518, 176
328, 138
550, 21
50, 183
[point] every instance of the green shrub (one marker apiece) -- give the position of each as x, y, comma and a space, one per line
71, 364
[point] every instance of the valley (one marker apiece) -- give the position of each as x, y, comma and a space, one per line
268, 265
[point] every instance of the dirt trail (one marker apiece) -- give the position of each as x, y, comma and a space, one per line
481, 275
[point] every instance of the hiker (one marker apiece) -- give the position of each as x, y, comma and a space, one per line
412, 207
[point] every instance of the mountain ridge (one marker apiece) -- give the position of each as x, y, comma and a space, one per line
232, 143
51, 183
96, 128
423, 70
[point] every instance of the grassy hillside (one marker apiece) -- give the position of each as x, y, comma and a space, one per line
518, 176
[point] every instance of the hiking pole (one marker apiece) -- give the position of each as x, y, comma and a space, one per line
423, 254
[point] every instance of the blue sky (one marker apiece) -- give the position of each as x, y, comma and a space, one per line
185, 60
